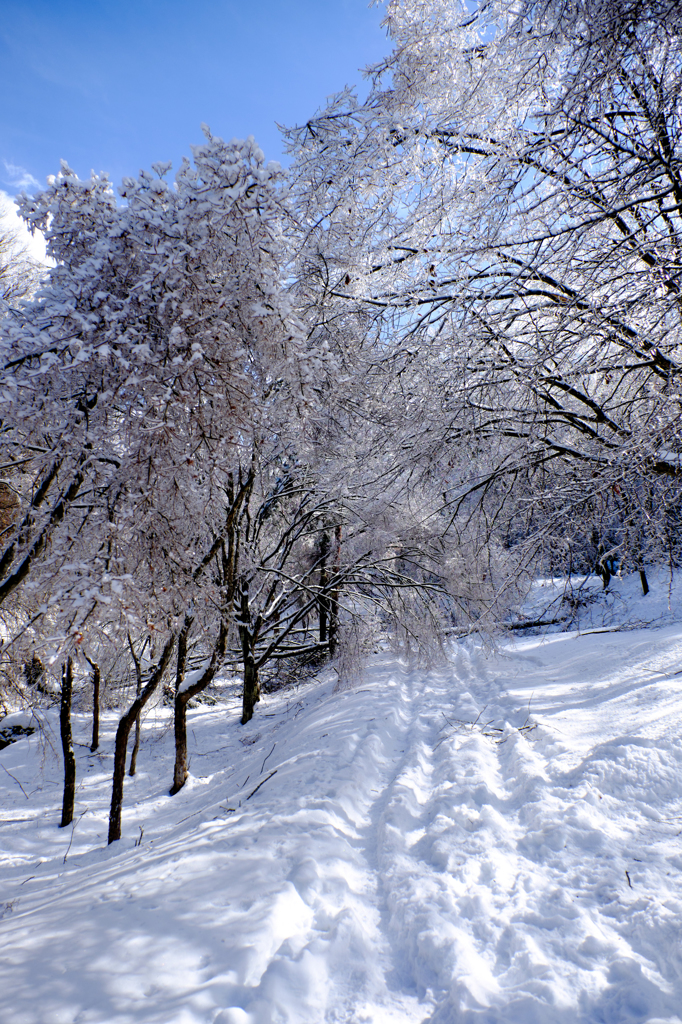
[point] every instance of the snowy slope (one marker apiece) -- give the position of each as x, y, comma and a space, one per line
495, 841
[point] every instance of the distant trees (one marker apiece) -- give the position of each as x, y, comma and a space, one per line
314, 557
19, 273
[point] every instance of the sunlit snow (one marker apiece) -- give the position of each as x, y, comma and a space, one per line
498, 840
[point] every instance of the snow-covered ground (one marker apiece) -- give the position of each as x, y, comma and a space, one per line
497, 841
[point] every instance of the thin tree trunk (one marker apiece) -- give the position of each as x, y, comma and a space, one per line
24, 529
182, 698
67, 744
96, 684
183, 695
180, 770
136, 747
138, 690
644, 582
182, 653
334, 596
251, 687
251, 691
122, 735
323, 602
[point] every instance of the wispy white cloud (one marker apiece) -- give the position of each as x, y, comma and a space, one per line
19, 177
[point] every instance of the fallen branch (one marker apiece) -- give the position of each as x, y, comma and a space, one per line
263, 765
274, 772
17, 782
73, 829
535, 623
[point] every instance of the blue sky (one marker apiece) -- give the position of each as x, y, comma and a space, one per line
115, 86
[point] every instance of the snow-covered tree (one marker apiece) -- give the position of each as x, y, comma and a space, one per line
127, 383
133, 385
503, 210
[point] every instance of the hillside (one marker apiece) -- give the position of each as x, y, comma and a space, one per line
496, 840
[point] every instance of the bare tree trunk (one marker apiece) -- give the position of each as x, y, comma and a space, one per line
251, 687
181, 769
136, 747
644, 582
334, 596
96, 683
182, 698
228, 562
67, 744
138, 690
323, 603
182, 653
251, 690
122, 735
180, 711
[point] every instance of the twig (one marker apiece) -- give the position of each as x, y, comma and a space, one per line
628, 878
73, 829
193, 815
608, 629
535, 624
205, 753
475, 722
274, 772
17, 782
263, 765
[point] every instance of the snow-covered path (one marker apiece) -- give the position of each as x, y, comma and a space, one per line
498, 841
536, 871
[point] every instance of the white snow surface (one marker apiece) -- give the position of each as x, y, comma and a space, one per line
493, 841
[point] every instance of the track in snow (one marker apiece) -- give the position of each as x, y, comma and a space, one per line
497, 841
535, 872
